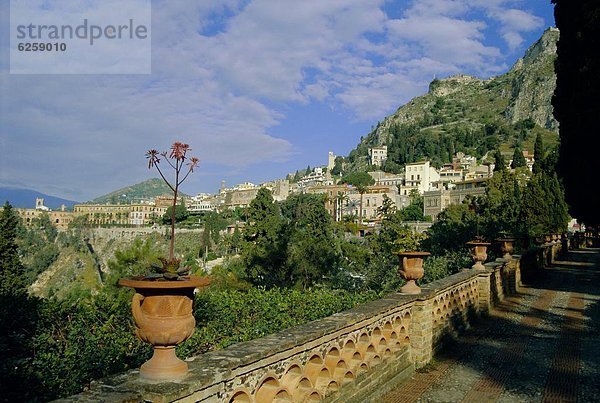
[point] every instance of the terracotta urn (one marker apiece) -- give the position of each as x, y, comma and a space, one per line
479, 253
506, 247
411, 270
162, 312
547, 238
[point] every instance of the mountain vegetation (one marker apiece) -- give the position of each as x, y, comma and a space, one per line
147, 189
464, 113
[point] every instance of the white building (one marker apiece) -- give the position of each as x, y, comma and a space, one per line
330, 161
419, 176
201, 202
377, 155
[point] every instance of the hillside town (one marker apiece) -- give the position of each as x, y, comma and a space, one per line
450, 184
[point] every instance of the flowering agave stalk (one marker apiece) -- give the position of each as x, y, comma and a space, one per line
177, 158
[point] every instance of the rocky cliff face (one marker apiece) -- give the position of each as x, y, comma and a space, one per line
525, 91
534, 82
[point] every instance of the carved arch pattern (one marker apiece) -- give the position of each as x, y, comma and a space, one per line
313, 374
451, 309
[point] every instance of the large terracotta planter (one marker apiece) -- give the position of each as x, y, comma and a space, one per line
506, 247
479, 253
411, 270
162, 311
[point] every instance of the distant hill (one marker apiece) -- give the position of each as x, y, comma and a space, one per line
25, 198
150, 188
464, 113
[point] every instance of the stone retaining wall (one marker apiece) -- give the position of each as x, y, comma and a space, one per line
348, 357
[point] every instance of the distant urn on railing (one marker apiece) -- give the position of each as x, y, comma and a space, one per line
411, 261
478, 252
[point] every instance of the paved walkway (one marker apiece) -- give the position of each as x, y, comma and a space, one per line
540, 346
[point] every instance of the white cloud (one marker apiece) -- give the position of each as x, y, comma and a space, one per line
220, 69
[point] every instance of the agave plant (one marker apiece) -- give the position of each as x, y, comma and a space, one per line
177, 159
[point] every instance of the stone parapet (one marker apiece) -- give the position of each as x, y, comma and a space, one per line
347, 357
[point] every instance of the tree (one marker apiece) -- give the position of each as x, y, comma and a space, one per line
575, 102
338, 165
518, 160
387, 208
414, 211
544, 208
536, 211
313, 250
43, 222
12, 272
297, 176
205, 242
360, 180
181, 214
538, 154
340, 200
456, 225
501, 206
263, 249
499, 162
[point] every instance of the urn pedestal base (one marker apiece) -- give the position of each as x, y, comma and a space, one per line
410, 288
164, 365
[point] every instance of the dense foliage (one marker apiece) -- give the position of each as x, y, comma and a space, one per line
576, 104
295, 265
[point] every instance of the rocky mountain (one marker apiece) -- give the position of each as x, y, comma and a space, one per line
465, 113
144, 190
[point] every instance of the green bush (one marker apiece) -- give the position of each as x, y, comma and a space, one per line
225, 317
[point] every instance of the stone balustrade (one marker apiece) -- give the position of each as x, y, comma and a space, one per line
354, 355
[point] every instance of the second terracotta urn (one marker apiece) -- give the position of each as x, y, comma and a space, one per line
479, 253
506, 247
411, 270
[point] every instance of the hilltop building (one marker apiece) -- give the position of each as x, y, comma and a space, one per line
202, 202
124, 214
418, 176
377, 155
60, 219
330, 161
387, 179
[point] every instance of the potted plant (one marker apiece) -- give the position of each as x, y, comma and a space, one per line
162, 303
411, 260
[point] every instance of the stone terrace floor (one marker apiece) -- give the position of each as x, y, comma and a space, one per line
542, 345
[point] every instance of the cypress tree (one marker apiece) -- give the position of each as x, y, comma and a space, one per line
499, 162
518, 159
535, 208
538, 154
12, 272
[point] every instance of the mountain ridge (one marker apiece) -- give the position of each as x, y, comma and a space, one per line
466, 113
25, 198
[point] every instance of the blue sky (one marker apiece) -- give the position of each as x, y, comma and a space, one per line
257, 88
